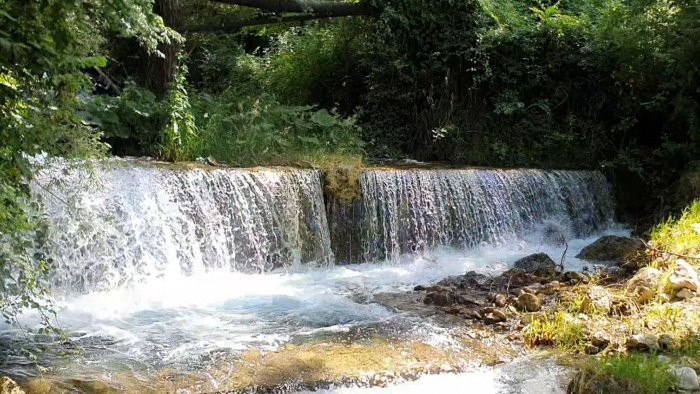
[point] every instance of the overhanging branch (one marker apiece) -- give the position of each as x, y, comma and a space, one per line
234, 26
326, 9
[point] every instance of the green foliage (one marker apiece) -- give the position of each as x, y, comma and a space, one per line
180, 129
679, 234
260, 130
45, 46
135, 113
560, 329
630, 373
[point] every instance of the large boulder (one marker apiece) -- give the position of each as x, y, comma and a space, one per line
687, 378
643, 285
538, 262
611, 249
683, 276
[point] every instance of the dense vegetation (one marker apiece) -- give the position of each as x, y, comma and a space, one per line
607, 84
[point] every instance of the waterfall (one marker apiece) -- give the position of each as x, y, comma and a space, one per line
405, 211
114, 222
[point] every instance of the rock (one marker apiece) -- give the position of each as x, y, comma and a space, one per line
592, 349
495, 316
474, 279
527, 318
538, 262
439, 298
665, 341
683, 276
599, 339
550, 288
575, 277
664, 359
467, 300
515, 277
611, 248
685, 294
647, 342
529, 302
419, 288
9, 386
687, 378
500, 299
212, 161
527, 290
597, 299
642, 286
437, 288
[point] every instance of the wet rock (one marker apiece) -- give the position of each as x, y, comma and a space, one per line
642, 286
575, 277
611, 248
597, 299
515, 277
495, 316
439, 298
648, 342
592, 349
687, 378
419, 288
9, 386
529, 302
437, 288
465, 299
474, 279
685, 294
500, 299
683, 276
538, 262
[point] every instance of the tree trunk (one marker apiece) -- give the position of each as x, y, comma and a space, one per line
162, 68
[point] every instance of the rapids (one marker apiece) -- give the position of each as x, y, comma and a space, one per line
163, 268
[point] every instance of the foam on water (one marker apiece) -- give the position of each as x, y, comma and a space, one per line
160, 267
178, 318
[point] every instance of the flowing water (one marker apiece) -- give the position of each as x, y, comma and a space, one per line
161, 268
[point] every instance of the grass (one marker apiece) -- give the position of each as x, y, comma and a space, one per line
560, 329
679, 234
630, 373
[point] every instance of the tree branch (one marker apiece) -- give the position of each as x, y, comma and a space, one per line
229, 27
315, 7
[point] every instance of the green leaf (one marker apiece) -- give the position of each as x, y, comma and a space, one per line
323, 118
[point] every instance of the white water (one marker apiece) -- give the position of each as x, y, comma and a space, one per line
178, 319
161, 268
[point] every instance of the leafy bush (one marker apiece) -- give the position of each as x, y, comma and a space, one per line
260, 130
679, 234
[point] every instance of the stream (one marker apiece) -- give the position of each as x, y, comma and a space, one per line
189, 279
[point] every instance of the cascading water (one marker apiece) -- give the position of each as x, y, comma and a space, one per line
133, 220
407, 211
164, 271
